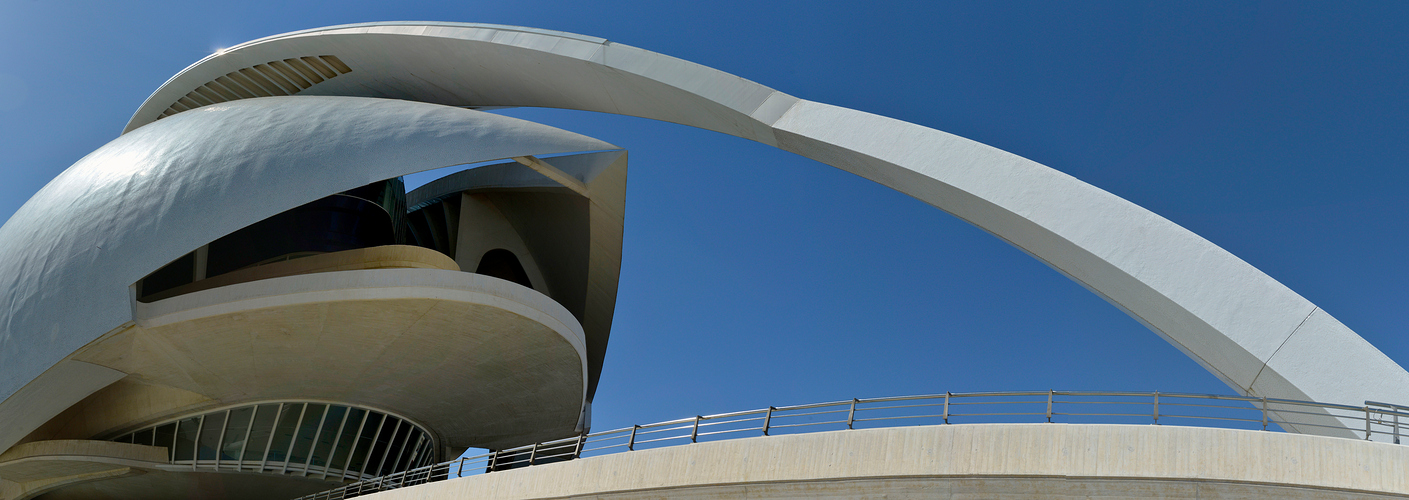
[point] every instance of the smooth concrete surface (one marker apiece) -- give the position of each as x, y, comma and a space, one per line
975, 488
477, 360
69, 256
967, 461
50, 394
116, 407
1252, 332
32, 468
173, 484
46, 459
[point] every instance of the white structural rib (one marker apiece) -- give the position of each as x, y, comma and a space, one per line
1255, 334
551, 172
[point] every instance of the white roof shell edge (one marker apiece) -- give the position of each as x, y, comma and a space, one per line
1252, 332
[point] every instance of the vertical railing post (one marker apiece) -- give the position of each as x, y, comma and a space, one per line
1367, 423
631, 443
851, 415
1396, 425
532, 453
581, 443
461, 471
1049, 405
1264, 413
946, 407
695, 432
1156, 407
493, 460
767, 420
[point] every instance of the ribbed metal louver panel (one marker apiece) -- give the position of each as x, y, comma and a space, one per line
274, 78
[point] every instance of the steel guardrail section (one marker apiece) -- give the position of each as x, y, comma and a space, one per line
1380, 418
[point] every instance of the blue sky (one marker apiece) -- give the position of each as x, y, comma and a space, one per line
752, 277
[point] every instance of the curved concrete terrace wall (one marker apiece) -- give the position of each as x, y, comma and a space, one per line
477, 360
964, 461
1252, 332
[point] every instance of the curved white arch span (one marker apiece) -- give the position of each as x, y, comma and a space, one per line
1243, 326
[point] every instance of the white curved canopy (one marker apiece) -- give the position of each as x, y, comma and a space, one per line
69, 255
1252, 332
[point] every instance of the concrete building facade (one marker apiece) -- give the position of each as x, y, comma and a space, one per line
239, 295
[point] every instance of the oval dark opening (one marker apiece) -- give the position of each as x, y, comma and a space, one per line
502, 264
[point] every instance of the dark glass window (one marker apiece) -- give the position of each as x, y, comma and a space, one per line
177, 273
365, 442
414, 442
186, 438
284, 432
263, 427
338, 459
324, 445
392, 434
166, 436
303, 440
210, 436
369, 216
332, 224
233, 445
144, 437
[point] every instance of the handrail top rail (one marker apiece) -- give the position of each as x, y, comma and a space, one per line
1272, 411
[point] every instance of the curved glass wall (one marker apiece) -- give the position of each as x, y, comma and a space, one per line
308, 439
368, 216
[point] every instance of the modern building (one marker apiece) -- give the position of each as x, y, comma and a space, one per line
237, 297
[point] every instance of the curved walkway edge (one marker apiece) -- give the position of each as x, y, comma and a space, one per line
1011, 460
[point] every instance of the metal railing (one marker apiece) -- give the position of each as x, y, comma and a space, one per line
1157, 408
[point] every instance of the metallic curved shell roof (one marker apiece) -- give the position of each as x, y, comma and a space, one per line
69, 255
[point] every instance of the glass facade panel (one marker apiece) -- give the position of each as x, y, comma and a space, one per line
332, 224
263, 428
345, 440
210, 436
365, 442
318, 435
303, 439
144, 437
186, 439
323, 445
172, 275
166, 436
233, 444
284, 432
378, 459
409, 449
369, 216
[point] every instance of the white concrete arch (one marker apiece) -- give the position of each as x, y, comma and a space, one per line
1255, 334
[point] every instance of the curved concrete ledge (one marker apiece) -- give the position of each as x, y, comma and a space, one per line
379, 257
477, 360
32, 468
954, 461
365, 284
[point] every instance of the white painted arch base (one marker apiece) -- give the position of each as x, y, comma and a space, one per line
967, 461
